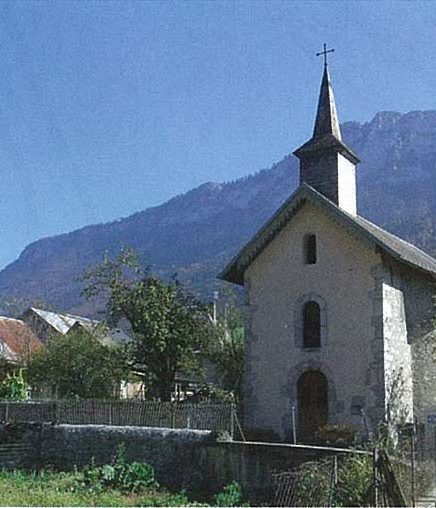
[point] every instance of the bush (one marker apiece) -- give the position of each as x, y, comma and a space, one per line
339, 435
315, 485
262, 435
124, 476
13, 387
231, 495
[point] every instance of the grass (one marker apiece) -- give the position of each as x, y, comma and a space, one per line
47, 488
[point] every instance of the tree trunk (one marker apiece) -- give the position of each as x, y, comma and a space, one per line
165, 389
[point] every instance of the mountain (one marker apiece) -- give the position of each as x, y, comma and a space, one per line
194, 234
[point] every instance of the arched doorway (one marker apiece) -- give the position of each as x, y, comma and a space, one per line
312, 403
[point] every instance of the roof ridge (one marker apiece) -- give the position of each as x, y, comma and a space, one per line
368, 232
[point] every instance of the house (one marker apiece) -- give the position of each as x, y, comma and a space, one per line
46, 324
340, 311
17, 340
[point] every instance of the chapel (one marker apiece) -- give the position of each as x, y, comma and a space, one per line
340, 325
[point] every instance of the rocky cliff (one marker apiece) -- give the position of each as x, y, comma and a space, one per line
194, 234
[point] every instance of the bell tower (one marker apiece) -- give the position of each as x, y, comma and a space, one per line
326, 163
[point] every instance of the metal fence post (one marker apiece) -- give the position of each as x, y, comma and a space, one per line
232, 421
412, 464
173, 415
110, 412
294, 426
375, 475
7, 412
434, 455
57, 411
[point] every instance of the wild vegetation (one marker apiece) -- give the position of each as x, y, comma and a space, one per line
77, 365
117, 484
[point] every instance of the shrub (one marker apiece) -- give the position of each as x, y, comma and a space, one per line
125, 476
315, 485
339, 435
231, 495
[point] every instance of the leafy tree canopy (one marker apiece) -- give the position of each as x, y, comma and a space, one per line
78, 365
169, 325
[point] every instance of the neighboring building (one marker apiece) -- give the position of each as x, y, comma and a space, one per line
340, 310
46, 324
17, 340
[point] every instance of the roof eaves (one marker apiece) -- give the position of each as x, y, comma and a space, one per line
233, 272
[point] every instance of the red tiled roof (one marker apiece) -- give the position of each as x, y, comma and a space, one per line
18, 337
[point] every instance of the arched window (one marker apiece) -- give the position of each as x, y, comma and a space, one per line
310, 249
311, 325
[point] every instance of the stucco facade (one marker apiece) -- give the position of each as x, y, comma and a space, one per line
340, 327
278, 283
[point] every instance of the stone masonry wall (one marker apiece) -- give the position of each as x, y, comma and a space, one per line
189, 459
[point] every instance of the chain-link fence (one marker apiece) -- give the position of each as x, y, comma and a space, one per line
343, 479
413, 461
122, 412
351, 478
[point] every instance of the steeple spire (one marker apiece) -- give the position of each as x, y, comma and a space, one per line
326, 162
326, 116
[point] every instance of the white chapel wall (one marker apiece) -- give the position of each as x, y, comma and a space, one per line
277, 283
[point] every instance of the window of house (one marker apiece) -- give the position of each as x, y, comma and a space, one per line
311, 325
310, 249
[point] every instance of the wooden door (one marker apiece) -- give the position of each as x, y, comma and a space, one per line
312, 403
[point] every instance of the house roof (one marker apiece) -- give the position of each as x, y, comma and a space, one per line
363, 229
63, 323
16, 339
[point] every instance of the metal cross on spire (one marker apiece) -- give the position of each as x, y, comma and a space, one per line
324, 52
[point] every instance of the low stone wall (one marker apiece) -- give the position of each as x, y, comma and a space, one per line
182, 458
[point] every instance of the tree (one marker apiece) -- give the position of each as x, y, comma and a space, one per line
78, 365
227, 350
169, 325
13, 386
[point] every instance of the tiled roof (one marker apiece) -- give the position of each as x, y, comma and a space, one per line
365, 230
16, 339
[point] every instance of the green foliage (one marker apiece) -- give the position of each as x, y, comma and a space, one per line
128, 477
78, 365
338, 435
162, 499
169, 325
315, 482
212, 394
231, 495
354, 480
226, 351
6, 367
13, 387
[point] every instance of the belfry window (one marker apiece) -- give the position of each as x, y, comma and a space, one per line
311, 325
310, 249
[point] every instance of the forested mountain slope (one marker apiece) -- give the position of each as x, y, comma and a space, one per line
194, 234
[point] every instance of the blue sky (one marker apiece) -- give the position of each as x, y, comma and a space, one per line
107, 108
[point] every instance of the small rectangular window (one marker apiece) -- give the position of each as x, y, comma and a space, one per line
310, 249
